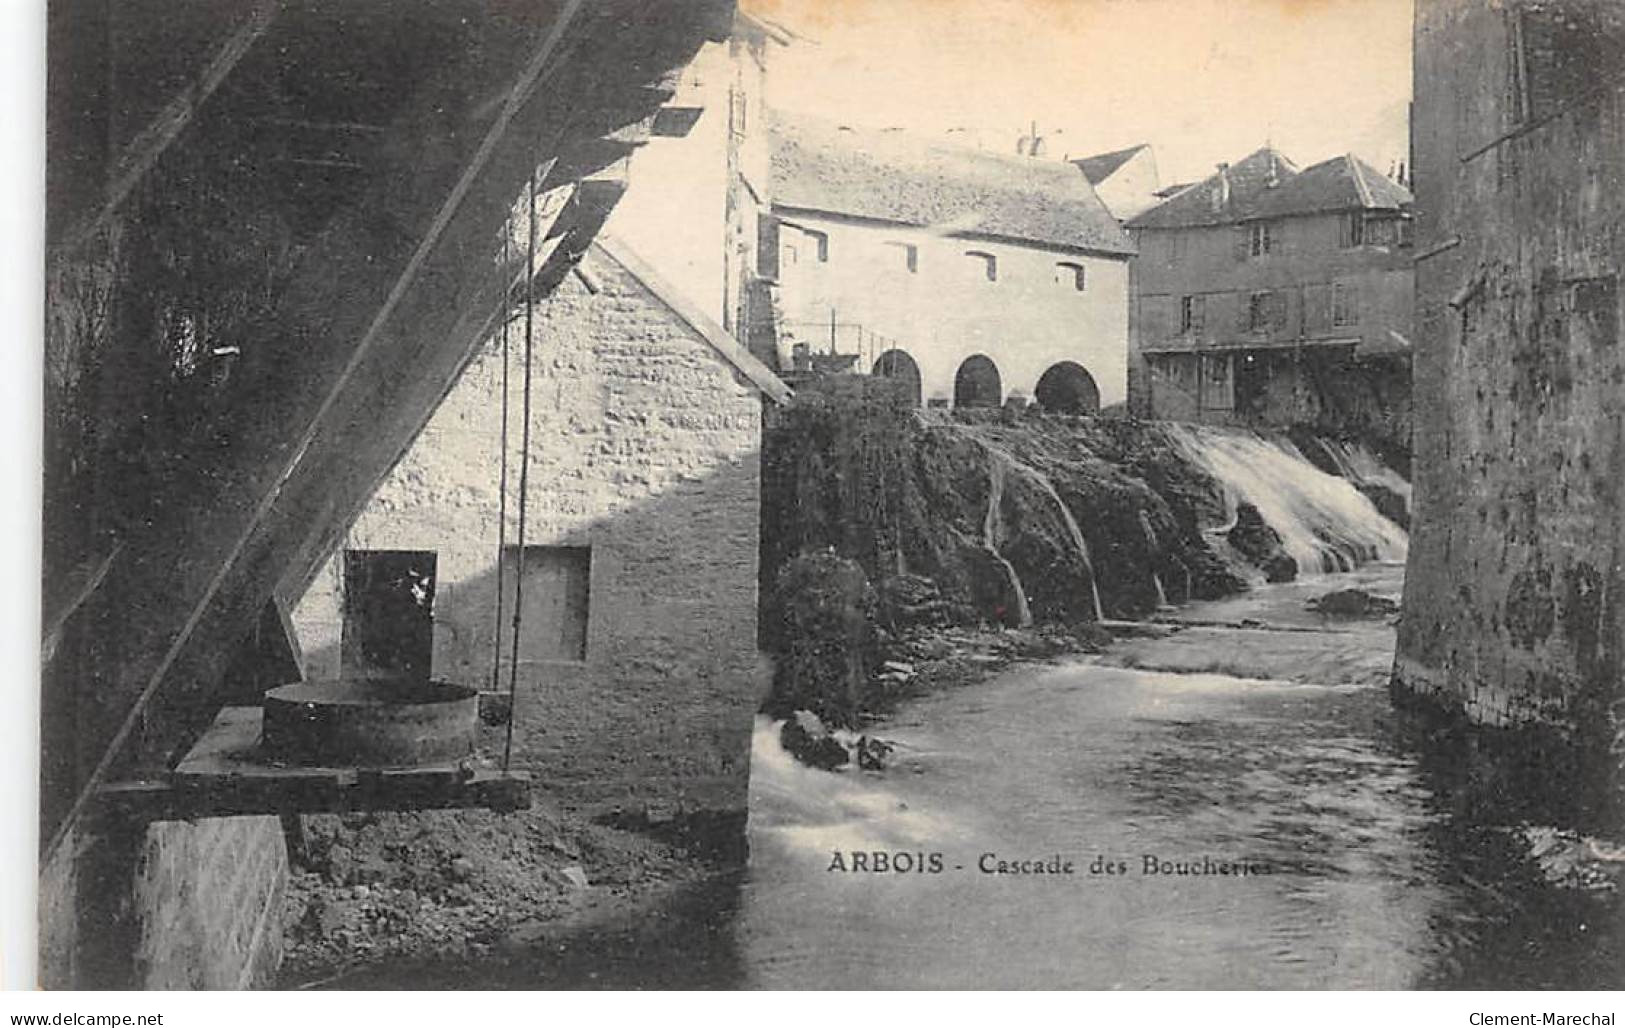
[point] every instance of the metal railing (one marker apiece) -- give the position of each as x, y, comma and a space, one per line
843, 338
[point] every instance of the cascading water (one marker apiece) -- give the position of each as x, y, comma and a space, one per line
1074, 532
997, 464
1324, 522
999, 461
1359, 464
1156, 579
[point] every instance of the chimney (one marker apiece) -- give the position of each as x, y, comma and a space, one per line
1272, 174
1221, 190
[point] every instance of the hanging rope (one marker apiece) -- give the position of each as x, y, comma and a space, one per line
524, 472
502, 493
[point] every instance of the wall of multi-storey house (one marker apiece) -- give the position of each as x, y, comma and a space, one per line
1266, 322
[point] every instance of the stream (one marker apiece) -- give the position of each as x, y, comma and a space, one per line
1269, 750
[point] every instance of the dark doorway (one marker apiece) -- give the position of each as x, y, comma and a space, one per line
388, 613
1066, 388
900, 368
977, 383
1254, 375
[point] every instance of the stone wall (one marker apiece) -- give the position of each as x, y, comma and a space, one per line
172, 905
1513, 614
208, 899
644, 449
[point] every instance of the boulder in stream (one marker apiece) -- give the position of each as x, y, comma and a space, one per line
1254, 539
1353, 603
872, 753
805, 738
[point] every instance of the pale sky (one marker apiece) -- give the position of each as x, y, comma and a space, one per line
1201, 80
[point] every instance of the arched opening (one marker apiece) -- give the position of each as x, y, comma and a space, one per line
1067, 389
900, 367
977, 383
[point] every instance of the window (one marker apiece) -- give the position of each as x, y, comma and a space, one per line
388, 613
1259, 239
1345, 309
1070, 274
820, 241
1258, 311
988, 263
1387, 231
911, 255
553, 622
1192, 313
1351, 230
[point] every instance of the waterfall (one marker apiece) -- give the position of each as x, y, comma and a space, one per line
1325, 523
998, 460
1156, 579
997, 463
1358, 464
1072, 530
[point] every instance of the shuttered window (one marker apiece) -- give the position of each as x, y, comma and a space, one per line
1260, 239
1345, 305
1351, 229
1192, 313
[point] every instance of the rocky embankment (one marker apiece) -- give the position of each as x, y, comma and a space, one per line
887, 529
1016, 518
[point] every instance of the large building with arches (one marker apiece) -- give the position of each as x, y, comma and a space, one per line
977, 277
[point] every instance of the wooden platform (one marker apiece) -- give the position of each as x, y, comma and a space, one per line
226, 775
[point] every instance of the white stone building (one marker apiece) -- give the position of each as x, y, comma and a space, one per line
1125, 180
983, 276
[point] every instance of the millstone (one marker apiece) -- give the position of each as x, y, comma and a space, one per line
370, 723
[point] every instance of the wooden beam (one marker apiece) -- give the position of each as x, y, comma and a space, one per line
315, 791
226, 775
365, 128
143, 151
523, 88
322, 162
58, 614
474, 324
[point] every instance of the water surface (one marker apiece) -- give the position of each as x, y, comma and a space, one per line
1276, 749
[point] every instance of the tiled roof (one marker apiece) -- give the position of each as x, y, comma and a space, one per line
1339, 184
892, 176
1101, 166
1223, 197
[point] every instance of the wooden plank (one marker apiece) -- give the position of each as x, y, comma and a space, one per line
225, 775
474, 324
84, 581
142, 153
164, 800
